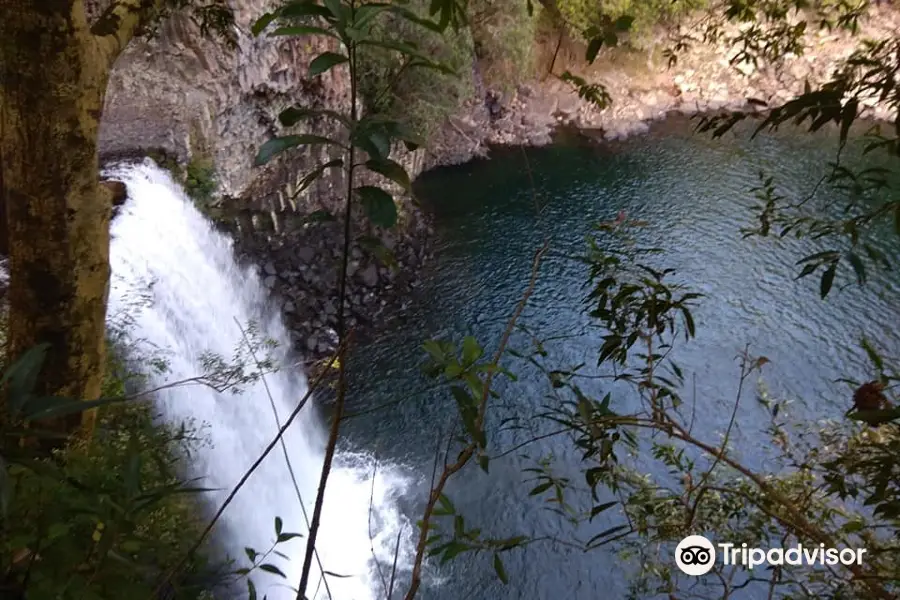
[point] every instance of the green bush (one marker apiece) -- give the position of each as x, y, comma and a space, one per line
582, 14
105, 517
419, 97
504, 40
200, 180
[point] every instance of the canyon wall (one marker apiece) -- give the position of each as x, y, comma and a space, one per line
187, 97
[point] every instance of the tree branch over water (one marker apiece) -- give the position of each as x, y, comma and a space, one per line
467, 453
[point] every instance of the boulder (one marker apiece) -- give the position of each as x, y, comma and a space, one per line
369, 276
117, 189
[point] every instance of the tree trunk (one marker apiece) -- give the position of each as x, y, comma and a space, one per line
53, 77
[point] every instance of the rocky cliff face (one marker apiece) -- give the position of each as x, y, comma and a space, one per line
187, 96
644, 88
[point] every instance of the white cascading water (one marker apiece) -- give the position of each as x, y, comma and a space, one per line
196, 299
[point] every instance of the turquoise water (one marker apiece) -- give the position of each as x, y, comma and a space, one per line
490, 220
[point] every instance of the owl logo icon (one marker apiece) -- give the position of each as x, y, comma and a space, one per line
695, 555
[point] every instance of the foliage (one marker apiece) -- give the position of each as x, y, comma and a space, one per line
214, 18
112, 514
200, 180
595, 93
503, 34
198, 177
581, 15
369, 138
420, 98
869, 73
114, 510
100, 517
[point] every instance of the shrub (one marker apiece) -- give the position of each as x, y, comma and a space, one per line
582, 14
104, 517
504, 38
419, 97
200, 181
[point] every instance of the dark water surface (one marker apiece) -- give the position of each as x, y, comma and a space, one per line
694, 192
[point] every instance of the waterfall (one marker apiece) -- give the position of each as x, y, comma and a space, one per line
177, 280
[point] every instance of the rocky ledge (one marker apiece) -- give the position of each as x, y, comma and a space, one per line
301, 268
644, 88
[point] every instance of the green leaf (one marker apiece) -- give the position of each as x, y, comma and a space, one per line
298, 30
690, 328
410, 51
873, 355
379, 205
390, 169
452, 550
373, 139
605, 533
853, 527
325, 61
471, 350
365, 13
498, 568
58, 530
593, 49
600, 508
279, 524
624, 23
875, 417
251, 589
807, 270
294, 114
338, 575
541, 488
21, 376
414, 18
320, 216
278, 145
446, 504
261, 23
37, 409
284, 537
272, 569
848, 115
251, 554
335, 8
305, 8
315, 174
858, 267
484, 462
827, 280
468, 413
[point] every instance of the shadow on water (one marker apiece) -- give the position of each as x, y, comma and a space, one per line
694, 192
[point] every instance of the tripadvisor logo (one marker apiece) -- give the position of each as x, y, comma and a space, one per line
695, 555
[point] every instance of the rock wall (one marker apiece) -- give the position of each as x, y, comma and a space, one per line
186, 96
644, 88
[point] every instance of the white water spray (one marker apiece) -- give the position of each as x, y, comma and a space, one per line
199, 299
